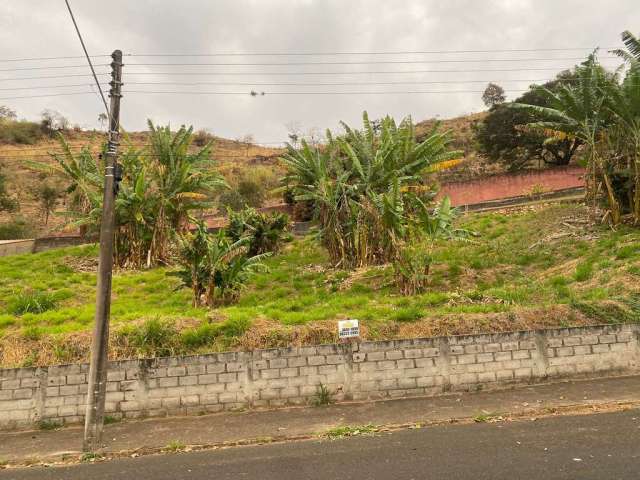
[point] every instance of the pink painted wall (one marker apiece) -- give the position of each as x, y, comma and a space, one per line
512, 185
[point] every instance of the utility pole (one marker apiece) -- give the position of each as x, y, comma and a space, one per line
94, 420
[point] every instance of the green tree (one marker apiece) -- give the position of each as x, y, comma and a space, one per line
493, 95
266, 232
632, 43
364, 186
47, 197
7, 202
215, 267
577, 110
503, 136
162, 185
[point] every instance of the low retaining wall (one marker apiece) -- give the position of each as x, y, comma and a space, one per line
16, 247
35, 245
292, 376
512, 185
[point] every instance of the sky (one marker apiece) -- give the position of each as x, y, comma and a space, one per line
372, 31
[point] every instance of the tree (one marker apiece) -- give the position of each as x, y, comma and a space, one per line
215, 267
7, 113
53, 121
102, 118
162, 185
7, 202
503, 136
577, 110
493, 95
266, 232
47, 197
365, 187
632, 44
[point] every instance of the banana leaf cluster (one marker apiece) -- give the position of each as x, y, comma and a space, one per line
602, 110
162, 184
369, 188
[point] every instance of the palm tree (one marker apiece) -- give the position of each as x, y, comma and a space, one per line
576, 110
623, 101
214, 266
632, 44
362, 184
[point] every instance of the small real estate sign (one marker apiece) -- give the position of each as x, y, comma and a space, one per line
348, 328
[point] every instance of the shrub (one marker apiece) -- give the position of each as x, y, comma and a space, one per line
367, 187
16, 229
265, 232
31, 301
154, 337
215, 267
21, 132
47, 197
249, 188
584, 271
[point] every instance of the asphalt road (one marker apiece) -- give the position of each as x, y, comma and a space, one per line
602, 446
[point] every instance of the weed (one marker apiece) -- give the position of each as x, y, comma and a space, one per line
174, 446
584, 271
486, 417
110, 419
154, 337
323, 396
31, 301
49, 425
91, 457
409, 314
350, 431
628, 251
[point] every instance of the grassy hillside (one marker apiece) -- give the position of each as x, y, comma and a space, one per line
229, 156
532, 267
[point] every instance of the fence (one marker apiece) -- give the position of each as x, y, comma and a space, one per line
292, 376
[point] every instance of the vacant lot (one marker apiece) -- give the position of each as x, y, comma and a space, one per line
526, 268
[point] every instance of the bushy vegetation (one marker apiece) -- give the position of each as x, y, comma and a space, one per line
16, 228
248, 188
503, 137
215, 267
602, 112
20, 132
510, 277
369, 191
161, 187
7, 202
266, 232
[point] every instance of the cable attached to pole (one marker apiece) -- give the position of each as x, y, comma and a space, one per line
93, 72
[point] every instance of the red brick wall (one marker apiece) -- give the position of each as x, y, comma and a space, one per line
512, 185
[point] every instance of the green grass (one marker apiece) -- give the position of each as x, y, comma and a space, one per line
498, 274
350, 431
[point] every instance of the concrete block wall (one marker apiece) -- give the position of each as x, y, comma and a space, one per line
292, 376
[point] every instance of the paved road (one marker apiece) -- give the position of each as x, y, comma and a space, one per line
602, 446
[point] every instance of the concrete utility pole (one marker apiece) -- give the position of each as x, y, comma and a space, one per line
94, 420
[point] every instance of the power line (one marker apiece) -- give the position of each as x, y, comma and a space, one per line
42, 77
313, 93
49, 67
84, 48
376, 72
38, 59
298, 54
326, 84
38, 87
400, 52
47, 95
371, 62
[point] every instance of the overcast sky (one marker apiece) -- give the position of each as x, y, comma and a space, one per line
42, 28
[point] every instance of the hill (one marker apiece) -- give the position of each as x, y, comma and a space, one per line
527, 268
228, 156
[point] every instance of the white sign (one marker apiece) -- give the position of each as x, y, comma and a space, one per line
348, 328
